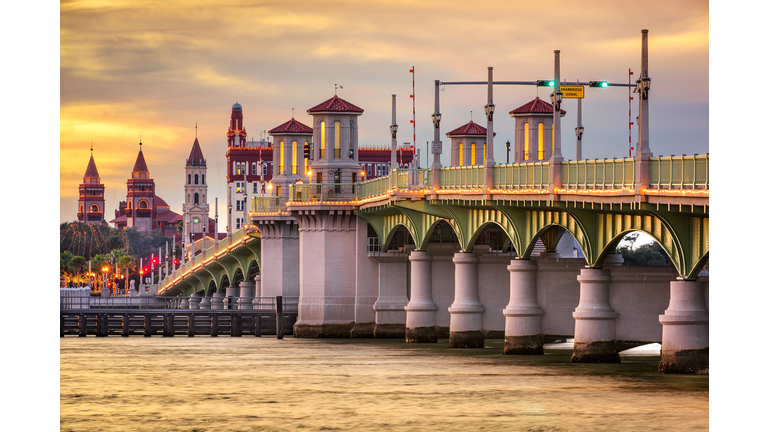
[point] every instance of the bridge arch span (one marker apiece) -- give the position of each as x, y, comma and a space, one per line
507, 229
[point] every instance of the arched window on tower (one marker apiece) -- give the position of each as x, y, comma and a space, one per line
461, 154
203, 182
281, 157
143, 204
94, 208
189, 179
541, 141
322, 140
337, 140
196, 179
294, 157
472, 149
527, 141
197, 198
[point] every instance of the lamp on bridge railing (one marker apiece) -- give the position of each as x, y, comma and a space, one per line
579, 132
489, 111
393, 129
556, 98
436, 119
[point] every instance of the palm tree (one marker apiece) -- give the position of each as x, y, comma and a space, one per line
65, 264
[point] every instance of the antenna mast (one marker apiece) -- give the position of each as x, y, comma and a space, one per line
629, 94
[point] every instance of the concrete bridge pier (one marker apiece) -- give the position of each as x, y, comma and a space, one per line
466, 329
595, 329
390, 305
256, 291
327, 275
184, 303
522, 329
685, 332
230, 293
420, 310
246, 293
205, 301
217, 300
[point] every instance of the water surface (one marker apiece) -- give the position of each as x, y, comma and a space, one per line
247, 383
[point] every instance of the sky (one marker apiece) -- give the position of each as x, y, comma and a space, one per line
151, 71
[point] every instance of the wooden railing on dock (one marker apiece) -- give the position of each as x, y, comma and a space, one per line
270, 316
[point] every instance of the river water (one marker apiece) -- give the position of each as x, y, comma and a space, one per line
247, 383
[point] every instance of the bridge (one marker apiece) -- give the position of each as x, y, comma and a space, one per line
480, 251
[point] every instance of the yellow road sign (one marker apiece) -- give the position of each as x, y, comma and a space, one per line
572, 91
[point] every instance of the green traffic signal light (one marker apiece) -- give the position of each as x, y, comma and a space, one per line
599, 84
545, 83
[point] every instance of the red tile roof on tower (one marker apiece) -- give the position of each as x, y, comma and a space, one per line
470, 128
140, 164
196, 155
91, 171
536, 106
292, 126
335, 104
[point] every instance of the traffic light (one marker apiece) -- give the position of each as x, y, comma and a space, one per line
175, 261
154, 261
306, 151
545, 83
146, 269
599, 84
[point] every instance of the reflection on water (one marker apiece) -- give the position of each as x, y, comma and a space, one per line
205, 384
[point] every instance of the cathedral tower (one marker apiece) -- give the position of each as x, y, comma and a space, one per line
91, 201
195, 206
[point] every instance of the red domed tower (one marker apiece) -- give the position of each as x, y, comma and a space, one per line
140, 211
236, 135
91, 201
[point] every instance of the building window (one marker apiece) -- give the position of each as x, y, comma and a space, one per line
527, 141
337, 140
239, 205
294, 156
472, 157
351, 140
238, 223
461, 154
322, 140
281, 157
253, 169
203, 181
189, 179
94, 208
239, 187
541, 141
196, 179
256, 187
143, 204
197, 198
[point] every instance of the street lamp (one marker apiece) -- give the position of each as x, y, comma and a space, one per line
507, 144
556, 98
104, 271
436, 120
393, 129
489, 111
579, 132
644, 84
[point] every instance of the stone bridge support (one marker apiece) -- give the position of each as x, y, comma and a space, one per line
279, 257
595, 330
420, 311
390, 305
466, 310
246, 293
685, 333
522, 330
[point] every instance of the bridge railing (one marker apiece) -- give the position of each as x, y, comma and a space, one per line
680, 172
533, 175
374, 187
414, 179
324, 192
598, 173
268, 204
462, 177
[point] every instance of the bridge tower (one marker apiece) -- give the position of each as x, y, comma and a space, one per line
290, 164
91, 200
140, 208
336, 152
195, 207
468, 144
533, 131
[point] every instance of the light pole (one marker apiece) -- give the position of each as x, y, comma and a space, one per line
393, 131
437, 145
507, 144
